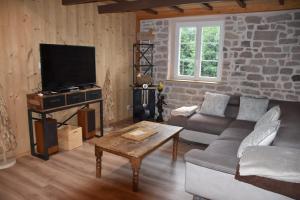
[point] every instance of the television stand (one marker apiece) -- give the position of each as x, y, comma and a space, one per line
46, 104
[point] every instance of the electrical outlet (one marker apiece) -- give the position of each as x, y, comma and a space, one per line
129, 107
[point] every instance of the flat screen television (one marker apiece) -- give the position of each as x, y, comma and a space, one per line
65, 66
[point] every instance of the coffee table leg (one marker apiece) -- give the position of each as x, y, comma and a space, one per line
135, 164
98, 153
175, 146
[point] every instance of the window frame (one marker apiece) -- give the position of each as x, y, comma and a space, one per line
199, 25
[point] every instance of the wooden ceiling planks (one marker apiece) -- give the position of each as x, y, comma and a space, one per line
133, 6
150, 9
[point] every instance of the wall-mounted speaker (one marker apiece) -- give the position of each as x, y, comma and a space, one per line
86, 120
50, 136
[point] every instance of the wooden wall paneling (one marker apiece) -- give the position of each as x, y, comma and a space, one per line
27, 23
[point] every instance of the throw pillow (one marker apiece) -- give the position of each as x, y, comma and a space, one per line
214, 104
251, 109
272, 115
261, 136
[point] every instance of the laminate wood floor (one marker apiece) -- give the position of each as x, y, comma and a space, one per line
71, 175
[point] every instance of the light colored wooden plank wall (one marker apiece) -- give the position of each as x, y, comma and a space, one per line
24, 24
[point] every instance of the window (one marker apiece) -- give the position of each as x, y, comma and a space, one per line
198, 50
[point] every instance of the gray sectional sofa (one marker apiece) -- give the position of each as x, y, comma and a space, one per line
210, 173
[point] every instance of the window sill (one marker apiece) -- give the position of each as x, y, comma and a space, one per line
195, 81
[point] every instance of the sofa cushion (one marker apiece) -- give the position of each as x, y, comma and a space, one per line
251, 109
214, 104
272, 115
242, 124
287, 137
261, 136
224, 147
234, 134
207, 123
215, 161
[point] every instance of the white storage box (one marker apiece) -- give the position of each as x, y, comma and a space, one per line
69, 137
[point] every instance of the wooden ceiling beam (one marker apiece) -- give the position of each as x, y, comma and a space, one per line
74, 2
151, 11
133, 6
241, 3
281, 2
208, 6
177, 8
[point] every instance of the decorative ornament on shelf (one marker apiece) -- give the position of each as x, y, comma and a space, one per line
8, 142
160, 102
108, 101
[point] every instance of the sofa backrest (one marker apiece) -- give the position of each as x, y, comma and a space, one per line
233, 106
289, 132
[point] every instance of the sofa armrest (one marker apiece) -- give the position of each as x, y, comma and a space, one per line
219, 162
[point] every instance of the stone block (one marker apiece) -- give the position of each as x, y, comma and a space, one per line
297, 15
178, 90
286, 71
291, 97
231, 36
249, 35
296, 78
272, 62
274, 78
162, 35
265, 35
247, 68
224, 88
296, 49
257, 44
245, 43
280, 17
280, 27
271, 49
249, 84
294, 24
297, 32
258, 62
263, 27
278, 96
296, 56
265, 85
258, 55
253, 19
288, 85
270, 70
191, 91
288, 41
240, 61
255, 77
292, 63
285, 78
276, 56
237, 74
250, 91
246, 54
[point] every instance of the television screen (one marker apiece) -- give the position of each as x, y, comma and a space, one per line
64, 66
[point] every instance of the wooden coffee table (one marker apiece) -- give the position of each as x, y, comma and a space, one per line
133, 150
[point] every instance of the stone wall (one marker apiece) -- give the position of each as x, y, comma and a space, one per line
261, 58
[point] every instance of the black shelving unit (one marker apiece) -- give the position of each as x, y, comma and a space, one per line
142, 60
143, 99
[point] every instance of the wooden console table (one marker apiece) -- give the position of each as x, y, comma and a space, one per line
47, 104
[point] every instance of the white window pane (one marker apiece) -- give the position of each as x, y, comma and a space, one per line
187, 67
187, 51
210, 49
209, 68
